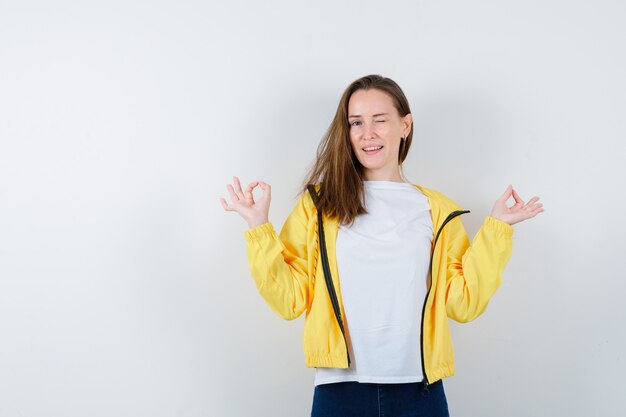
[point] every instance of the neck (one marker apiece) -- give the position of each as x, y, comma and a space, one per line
382, 176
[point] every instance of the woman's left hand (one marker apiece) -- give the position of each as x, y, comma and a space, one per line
519, 211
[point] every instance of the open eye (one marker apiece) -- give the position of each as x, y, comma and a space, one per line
356, 123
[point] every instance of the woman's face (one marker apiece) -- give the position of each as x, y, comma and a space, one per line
375, 122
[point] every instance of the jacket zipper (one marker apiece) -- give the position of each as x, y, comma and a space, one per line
430, 269
331, 287
329, 283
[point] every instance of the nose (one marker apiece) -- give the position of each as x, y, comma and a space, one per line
368, 130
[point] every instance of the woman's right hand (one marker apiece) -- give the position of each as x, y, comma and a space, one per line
243, 203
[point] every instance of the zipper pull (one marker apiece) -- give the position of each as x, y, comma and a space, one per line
425, 391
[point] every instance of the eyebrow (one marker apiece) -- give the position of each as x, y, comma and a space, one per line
375, 115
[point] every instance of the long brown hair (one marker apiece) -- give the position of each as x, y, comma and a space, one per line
336, 167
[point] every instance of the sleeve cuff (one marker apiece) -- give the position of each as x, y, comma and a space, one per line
499, 226
258, 231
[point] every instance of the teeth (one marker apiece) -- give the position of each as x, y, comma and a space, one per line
372, 148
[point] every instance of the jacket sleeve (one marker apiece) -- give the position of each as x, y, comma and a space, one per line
278, 263
474, 272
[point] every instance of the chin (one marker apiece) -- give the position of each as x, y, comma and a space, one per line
370, 166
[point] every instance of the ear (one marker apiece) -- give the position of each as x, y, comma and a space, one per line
407, 122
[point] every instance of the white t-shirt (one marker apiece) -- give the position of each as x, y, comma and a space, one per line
383, 262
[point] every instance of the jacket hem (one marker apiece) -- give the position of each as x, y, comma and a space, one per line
442, 371
327, 361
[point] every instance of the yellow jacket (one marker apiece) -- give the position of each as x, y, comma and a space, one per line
288, 273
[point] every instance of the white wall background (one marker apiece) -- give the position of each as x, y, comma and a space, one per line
124, 285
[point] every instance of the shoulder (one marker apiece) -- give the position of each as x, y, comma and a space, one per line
306, 205
310, 199
446, 203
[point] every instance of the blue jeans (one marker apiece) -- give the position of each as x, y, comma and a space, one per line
355, 399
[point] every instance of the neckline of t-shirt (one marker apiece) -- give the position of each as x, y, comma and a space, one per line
387, 184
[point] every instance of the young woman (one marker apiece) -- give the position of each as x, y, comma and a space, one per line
398, 262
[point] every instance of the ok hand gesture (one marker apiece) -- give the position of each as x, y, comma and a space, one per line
255, 213
517, 212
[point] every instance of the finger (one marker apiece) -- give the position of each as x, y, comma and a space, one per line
507, 193
531, 206
238, 188
536, 208
531, 202
225, 205
249, 190
266, 189
517, 198
232, 192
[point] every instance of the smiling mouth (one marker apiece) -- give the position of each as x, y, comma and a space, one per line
372, 151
